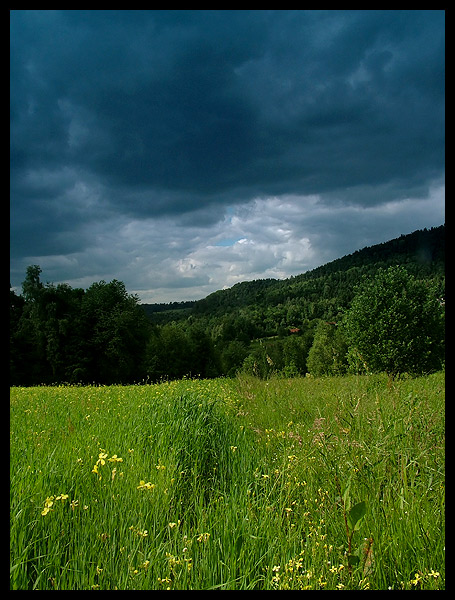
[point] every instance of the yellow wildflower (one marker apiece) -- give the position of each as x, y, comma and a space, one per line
165, 580
143, 533
47, 505
145, 486
115, 458
417, 579
140, 533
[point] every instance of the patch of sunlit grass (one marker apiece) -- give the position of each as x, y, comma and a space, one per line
333, 483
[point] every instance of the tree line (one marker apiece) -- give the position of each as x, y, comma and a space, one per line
61, 334
394, 323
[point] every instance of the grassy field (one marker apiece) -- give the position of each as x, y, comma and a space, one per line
333, 483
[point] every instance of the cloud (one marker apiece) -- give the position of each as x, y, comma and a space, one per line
282, 236
190, 108
167, 259
132, 128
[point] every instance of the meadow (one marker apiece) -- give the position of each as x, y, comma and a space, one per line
232, 484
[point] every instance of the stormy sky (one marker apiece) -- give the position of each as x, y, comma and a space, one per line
183, 151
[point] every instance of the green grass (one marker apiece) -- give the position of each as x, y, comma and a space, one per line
229, 484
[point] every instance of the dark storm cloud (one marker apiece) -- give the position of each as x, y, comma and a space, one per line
153, 114
144, 100
190, 105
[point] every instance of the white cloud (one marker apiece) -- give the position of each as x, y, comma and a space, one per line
165, 260
279, 237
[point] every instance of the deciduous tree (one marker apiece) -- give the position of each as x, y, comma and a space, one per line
395, 324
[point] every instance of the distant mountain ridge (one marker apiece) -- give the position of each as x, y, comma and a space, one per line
328, 287
423, 247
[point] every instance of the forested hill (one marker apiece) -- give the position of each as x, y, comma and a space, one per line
320, 293
102, 334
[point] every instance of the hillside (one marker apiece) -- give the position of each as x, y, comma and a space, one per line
322, 292
262, 327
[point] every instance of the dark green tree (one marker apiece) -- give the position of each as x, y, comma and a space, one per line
29, 353
295, 351
168, 353
32, 286
44, 331
203, 356
232, 356
60, 327
395, 324
327, 355
20, 348
115, 331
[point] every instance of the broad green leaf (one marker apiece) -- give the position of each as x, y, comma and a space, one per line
357, 513
353, 560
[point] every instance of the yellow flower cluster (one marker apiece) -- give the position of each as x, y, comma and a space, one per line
49, 503
172, 525
145, 486
102, 461
293, 576
115, 458
144, 566
140, 532
421, 578
175, 561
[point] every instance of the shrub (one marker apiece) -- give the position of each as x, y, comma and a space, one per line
395, 324
327, 355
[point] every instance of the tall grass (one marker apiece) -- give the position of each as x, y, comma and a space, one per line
229, 484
